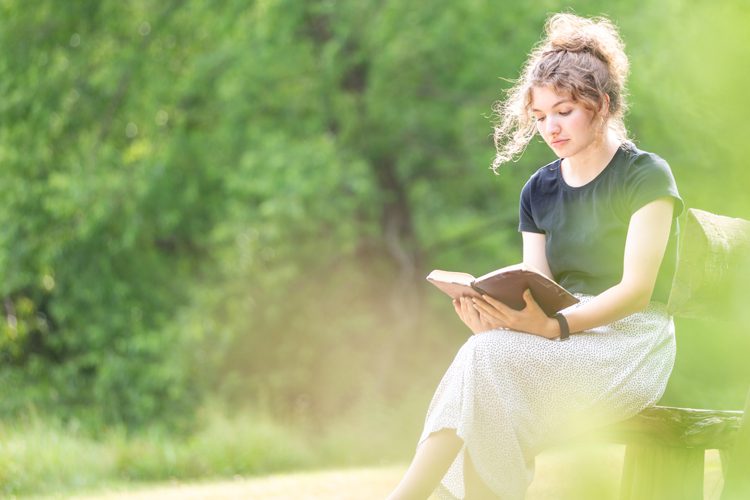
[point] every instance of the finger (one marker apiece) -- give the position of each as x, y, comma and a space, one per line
470, 309
468, 314
497, 304
487, 309
462, 306
487, 312
491, 322
461, 310
480, 302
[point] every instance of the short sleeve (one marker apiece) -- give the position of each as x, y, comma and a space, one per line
651, 179
526, 218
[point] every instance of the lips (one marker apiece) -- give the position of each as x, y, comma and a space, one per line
559, 142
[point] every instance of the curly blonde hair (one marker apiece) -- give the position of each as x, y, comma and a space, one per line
579, 57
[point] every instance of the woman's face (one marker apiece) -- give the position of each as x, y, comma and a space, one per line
566, 126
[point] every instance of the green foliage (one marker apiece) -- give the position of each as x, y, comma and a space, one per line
173, 170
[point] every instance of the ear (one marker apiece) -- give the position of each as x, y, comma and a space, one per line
604, 109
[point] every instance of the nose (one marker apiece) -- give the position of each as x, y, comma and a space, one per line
551, 125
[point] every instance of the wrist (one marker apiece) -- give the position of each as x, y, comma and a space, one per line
553, 328
562, 323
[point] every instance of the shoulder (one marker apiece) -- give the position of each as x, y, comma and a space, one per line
543, 180
647, 176
637, 162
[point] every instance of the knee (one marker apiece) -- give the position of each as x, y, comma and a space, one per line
493, 346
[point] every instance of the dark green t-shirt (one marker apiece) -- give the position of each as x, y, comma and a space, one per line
586, 226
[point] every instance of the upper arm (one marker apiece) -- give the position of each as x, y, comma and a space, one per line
535, 251
648, 235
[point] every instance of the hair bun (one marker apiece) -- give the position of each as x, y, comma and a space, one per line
598, 36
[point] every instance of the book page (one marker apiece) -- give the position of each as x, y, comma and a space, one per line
451, 277
453, 283
515, 267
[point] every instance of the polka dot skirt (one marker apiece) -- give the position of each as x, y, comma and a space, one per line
510, 394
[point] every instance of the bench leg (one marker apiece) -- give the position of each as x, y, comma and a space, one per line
654, 472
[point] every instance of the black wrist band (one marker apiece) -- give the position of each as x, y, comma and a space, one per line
564, 328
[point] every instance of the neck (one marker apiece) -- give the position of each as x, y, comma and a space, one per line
587, 164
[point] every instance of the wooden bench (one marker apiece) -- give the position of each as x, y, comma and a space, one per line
665, 446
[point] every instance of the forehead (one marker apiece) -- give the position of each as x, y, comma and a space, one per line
547, 97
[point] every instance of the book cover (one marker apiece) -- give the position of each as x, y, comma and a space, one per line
507, 285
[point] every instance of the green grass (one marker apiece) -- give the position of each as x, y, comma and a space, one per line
36, 457
43, 456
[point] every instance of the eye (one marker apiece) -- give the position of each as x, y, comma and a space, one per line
566, 113
539, 118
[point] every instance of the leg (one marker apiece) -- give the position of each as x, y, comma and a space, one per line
654, 472
475, 487
429, 465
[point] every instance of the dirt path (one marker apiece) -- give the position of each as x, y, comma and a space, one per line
331, 485
560, 475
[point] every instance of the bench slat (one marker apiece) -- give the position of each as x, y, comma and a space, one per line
679, 427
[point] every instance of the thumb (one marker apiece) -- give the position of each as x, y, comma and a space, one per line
528, 298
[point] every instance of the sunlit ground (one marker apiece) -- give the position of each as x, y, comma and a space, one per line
592, 472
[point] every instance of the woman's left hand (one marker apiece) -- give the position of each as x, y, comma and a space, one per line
530, 319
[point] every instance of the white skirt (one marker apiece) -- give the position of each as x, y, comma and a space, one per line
508, 394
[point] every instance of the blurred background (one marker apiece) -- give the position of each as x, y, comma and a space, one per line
217, 217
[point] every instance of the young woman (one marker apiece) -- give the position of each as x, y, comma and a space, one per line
601, 221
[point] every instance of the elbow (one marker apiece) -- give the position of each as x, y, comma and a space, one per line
639, 296
642, 300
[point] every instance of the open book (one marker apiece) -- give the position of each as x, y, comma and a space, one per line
507, 285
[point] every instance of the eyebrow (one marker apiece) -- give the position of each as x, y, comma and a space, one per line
562, 101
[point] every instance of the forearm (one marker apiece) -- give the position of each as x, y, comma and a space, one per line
614, 303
